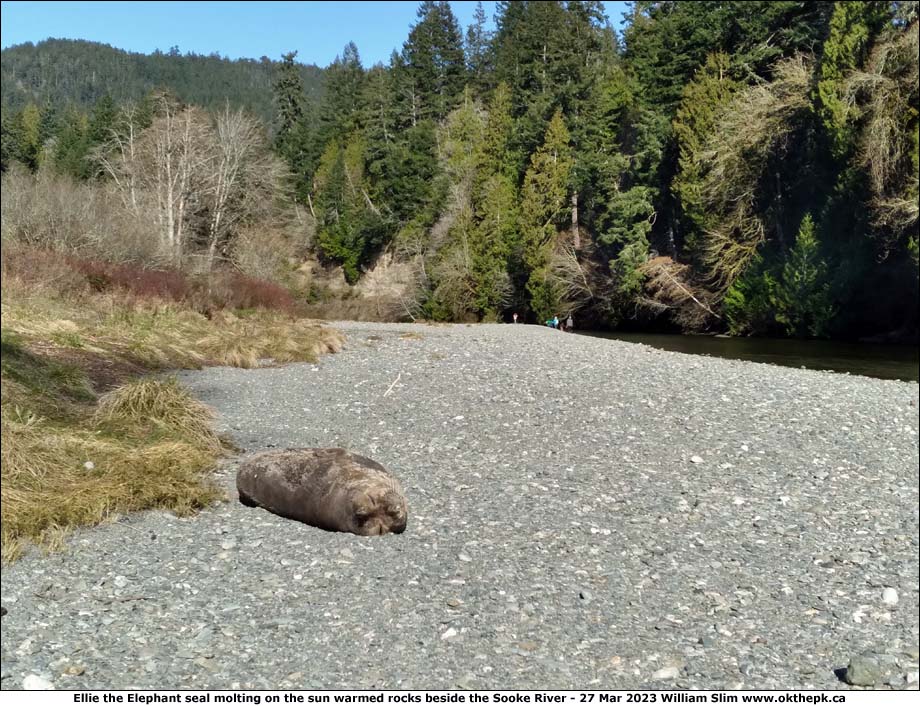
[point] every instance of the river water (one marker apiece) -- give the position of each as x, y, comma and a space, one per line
873, 360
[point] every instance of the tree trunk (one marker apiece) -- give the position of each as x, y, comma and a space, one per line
576, 235
779, 214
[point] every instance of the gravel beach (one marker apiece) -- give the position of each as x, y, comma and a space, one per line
583, 513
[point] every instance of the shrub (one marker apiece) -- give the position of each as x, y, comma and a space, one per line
233, 290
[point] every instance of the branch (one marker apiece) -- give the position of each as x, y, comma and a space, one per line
392, 385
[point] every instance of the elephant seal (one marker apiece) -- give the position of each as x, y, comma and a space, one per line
332, 489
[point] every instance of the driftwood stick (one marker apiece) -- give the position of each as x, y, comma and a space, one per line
392, 385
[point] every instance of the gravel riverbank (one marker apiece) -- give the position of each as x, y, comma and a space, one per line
583, 513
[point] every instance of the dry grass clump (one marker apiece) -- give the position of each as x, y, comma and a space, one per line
56, 476
161, 405
243, 343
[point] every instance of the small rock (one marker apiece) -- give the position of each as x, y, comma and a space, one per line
454, 602
449, 633
863, 670
913, 677
206, 663
585, 595
464, 557
33, 682
121, 581
696, 459
667, 673
75, 670
89, 465
890, 597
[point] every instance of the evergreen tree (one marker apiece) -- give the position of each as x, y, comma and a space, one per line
599, 138
102, 120
494, 242
433, 55
703, 98
479, 52
342, 111
543, 201
801, 296
6, 144
349, 231
853, 26
71, 149
25, 137
49, 123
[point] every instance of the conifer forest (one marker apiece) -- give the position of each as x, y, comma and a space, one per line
748, 168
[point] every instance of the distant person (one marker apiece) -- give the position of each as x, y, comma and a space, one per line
514, 317
549, 322
555, 322
569, 324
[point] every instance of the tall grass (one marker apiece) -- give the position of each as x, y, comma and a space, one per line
83, 439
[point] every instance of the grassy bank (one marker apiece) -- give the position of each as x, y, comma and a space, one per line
86, 433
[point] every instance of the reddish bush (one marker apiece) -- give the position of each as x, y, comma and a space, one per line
232, 290
164, 284
225, 289
37, 267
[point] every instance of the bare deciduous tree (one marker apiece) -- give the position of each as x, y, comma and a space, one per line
204, 179
165, 162
242, 178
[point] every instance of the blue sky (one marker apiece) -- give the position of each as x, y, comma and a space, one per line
317, 30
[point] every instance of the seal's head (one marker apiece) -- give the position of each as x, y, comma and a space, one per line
379, 511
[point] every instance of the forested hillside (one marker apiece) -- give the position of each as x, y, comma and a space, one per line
742, 167
64, 71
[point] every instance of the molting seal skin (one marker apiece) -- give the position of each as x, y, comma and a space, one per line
332, 489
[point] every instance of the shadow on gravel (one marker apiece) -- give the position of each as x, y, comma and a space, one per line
841, 674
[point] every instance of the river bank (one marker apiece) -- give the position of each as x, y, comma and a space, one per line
582, 513
879, 360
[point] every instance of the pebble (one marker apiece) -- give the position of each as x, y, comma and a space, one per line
890, 597
33, 682
667, 673
863, 670
696, 459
